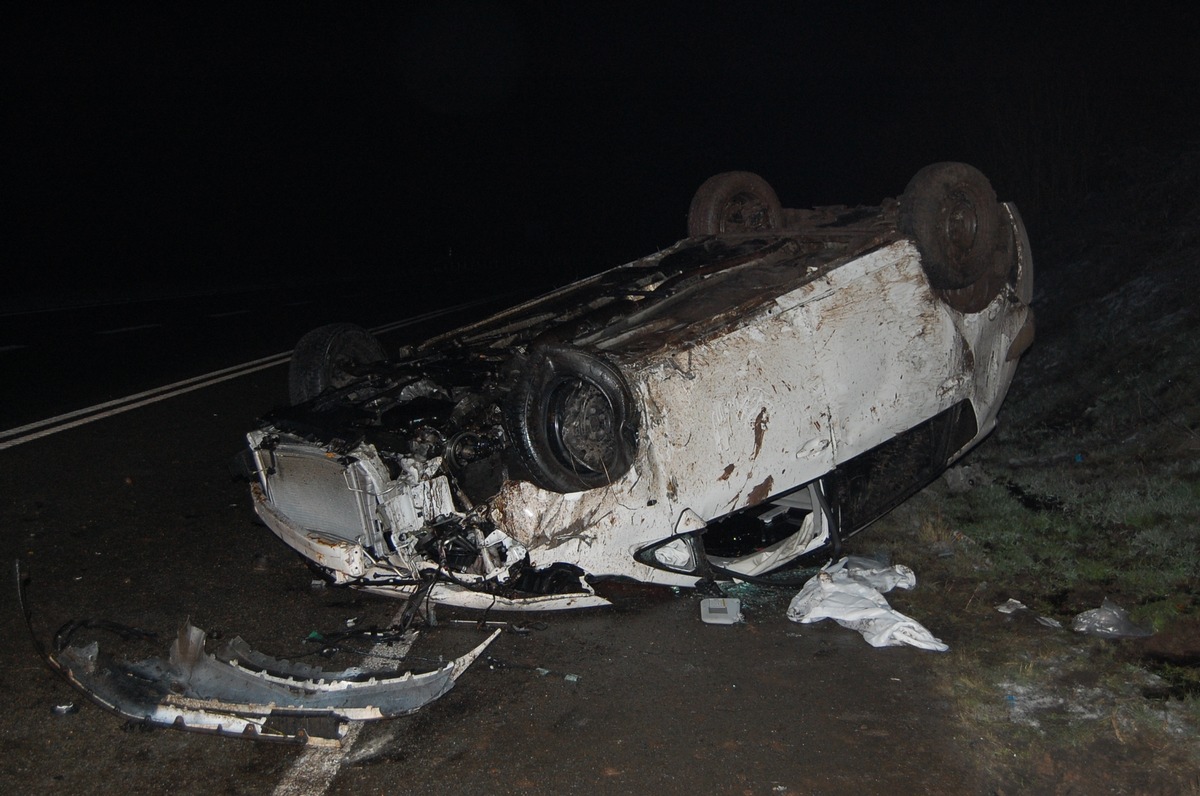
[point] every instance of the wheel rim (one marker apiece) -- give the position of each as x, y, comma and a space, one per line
744, 212
961, 225
339, 372
583, 426
345, 366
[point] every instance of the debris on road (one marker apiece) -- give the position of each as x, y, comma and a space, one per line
540, 671
721, 610
235, 690
239, 692
850, 593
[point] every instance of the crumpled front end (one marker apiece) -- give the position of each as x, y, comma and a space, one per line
394, 527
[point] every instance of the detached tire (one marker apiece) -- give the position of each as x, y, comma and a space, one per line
734, 202
572, 420
951, 211
330, 356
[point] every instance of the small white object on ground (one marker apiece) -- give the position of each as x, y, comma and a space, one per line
849, 592
721, 610
1012, 606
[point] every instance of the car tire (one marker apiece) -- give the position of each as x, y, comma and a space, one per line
571, 419
974, 298
951, 211
734, 202
328, 356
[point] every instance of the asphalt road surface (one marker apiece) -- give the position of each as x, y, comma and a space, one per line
133, 518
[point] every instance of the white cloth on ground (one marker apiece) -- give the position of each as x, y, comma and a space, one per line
849, 592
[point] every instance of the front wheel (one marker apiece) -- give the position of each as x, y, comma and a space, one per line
572, 420
330, 356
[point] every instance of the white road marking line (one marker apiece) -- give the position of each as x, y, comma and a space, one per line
124, 329
388, 327
12, 347
12, 437
166, 391
45, 432
314, 770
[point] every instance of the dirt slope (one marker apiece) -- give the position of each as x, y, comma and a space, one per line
1090, 489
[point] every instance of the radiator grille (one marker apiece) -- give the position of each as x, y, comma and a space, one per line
320, 494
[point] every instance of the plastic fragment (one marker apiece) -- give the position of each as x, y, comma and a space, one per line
1012, 607
1109, 621
721, 610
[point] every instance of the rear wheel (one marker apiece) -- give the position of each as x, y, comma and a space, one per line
330, 356
734, 202
951, 211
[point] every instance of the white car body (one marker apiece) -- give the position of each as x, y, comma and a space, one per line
764, 379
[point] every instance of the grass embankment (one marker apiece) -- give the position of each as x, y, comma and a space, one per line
1090, 489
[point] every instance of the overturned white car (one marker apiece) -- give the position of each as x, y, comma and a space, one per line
732, 407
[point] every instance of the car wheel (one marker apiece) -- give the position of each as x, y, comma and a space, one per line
734, 202
974, 298
571, 420
951, 211
329, 356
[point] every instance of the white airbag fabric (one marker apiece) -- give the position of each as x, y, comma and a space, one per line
849, 592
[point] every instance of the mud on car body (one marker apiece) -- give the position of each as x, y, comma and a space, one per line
731, 407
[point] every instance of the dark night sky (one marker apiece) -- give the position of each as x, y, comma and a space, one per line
195, 147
